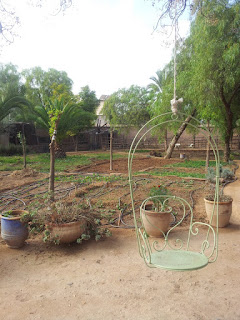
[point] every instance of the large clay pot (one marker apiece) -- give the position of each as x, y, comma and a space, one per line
67, 232
13, 231
224, 212
155, 223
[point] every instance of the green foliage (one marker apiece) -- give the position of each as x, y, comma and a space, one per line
7, 214
155, 88
208, 69
40, 219
157, 192
68, 118
89, 179
40, 162
88, 100
55, 106
10, 150
127, 108
162, 97
63, 112
225, 173
216, 66
192, 164
12, 91
40, 84
165, 173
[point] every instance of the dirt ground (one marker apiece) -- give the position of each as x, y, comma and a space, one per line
108, 279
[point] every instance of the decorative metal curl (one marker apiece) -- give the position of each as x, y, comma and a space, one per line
206, 244
156, 244
145, 249
181, 244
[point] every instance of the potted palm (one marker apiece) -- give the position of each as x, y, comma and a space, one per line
156, 215
224, 210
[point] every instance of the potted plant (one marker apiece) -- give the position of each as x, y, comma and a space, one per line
67, 222
156, 216
224, 210
14, 231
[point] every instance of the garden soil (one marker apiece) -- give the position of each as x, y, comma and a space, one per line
108, 280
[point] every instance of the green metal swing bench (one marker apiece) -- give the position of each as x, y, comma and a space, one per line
176, 248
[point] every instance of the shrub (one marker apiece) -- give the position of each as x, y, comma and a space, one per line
11, 150
225, 174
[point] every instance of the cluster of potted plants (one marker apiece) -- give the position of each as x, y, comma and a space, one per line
157, 216
59, 222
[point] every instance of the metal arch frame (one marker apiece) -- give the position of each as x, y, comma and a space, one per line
152, 255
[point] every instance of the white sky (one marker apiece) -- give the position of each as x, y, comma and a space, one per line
106, 44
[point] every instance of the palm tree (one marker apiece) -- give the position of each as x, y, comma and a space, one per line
61, 119
155, 89
9, 103
156, 85
66, 118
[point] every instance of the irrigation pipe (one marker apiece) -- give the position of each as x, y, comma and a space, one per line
13, 200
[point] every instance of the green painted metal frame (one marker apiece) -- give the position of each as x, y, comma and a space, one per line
171, 252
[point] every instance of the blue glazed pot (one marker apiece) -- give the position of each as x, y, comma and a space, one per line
13, 231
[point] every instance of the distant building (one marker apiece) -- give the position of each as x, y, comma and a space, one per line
101, 120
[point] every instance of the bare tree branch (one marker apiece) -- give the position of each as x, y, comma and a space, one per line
9, 20
168, 11
8, 23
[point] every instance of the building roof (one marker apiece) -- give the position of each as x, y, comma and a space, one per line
103, 97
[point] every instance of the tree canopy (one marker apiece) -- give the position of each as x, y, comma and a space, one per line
208, 68
46, 99
216, 69
40, 84
12, 91
88, 99
127, 108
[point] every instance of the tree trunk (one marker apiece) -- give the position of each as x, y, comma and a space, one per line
52, 148
165, 141
227, 139
208, 149
59, 152
24, 154
229, 123
76, 143
178, 135
227, 149
111, 149
23, 142
52, 170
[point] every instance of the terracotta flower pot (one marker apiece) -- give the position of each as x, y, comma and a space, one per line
67, 232
155, 223
13, 231
224, 212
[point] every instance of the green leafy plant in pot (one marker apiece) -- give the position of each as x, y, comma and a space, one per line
67, 222
156, 215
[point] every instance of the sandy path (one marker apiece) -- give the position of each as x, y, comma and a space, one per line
108, 280
233, 190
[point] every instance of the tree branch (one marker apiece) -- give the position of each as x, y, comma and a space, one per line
234, 93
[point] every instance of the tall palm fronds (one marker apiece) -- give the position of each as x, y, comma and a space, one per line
65, 117
8, 103
157, 83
